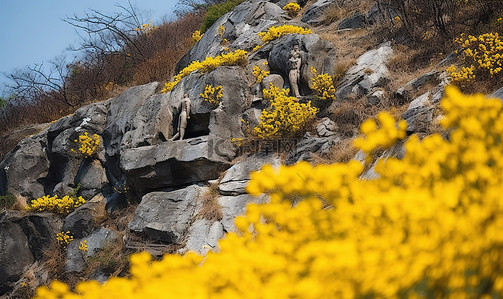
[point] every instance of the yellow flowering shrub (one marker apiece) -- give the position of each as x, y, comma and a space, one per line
285, 116
212, 95
54, 204
428, 227
237, 57
278, 31
259, 74
88, 144
482, 55
323, 85
64, 238
292, 9
197, 35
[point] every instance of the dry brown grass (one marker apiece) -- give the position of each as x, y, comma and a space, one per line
113, 260
210, 208
346, 8
342, 152
54, 260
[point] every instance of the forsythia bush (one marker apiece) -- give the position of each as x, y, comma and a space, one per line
237, 57
88, 144
259, 74
483, 56
277, 32
197, 35
429, 227
54, 204
212, 95
292, 9
323, 85
285, 117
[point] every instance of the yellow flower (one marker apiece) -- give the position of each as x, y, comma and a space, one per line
292, 9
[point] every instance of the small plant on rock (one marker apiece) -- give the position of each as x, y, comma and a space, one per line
292, 9
88, 144
64, 238
83, 246
212, 95
197, 35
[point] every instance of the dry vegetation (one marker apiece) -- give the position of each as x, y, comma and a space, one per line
101, 77
210, 208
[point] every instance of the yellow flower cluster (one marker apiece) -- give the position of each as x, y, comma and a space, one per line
285, 116
197, 35
146, 28
259, 73
212, 95
463, 74
88, 144
292, 9
483, 54
54, 204
277, 32
428, 227
323, 85
83, 246
64, 238
237, 57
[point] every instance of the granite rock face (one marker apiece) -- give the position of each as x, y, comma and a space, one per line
15, 255
172, 164
369, 72
166, 216
315, 13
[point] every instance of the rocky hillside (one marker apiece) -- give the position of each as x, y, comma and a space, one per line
144, 191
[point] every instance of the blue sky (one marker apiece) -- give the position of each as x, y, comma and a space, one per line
33, 30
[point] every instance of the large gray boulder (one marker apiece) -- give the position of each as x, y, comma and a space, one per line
315, 13
97, 241
127, 119
92, 178
369, 72
203, 236
419, 114
15, 254
40, 230
233, 206
166, 216
172, 164
357, 20
86, 218
241, 28
23, 170
237, 177
311, 146
406, 93
65, 159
